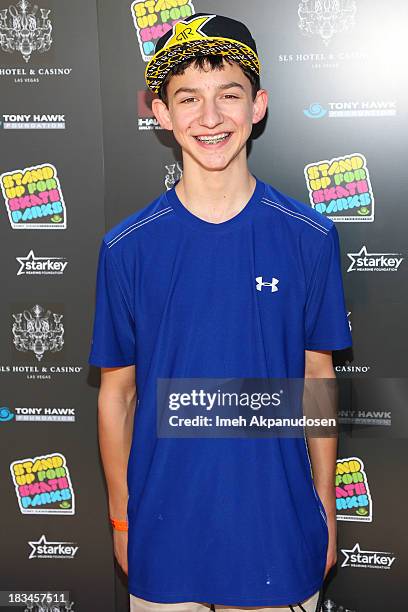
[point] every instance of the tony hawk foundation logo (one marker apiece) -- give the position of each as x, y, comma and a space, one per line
32, 122
325, 19
353, 108
56, 415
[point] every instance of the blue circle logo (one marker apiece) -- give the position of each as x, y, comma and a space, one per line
5, 414
315, 111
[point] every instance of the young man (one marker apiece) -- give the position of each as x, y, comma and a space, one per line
223, 276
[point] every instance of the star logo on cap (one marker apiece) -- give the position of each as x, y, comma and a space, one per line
185, 31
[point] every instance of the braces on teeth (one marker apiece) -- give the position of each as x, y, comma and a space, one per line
212, 139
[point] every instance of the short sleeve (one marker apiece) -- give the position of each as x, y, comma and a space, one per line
326, 323
113, 338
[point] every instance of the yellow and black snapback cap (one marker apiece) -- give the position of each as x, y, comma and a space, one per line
201, 34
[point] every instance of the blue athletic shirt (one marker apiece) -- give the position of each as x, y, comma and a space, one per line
233, 521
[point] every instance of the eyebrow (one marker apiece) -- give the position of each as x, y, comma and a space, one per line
221, 87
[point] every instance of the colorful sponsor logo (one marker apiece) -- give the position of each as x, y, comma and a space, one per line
369, 559
153, 18
43, 485
340, 188
33, 198
353, 498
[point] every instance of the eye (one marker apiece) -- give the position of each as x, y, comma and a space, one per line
231, 96
188, 100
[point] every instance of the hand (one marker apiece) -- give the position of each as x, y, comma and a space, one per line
331, 558
120, 547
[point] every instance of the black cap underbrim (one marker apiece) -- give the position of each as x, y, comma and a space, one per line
162, 62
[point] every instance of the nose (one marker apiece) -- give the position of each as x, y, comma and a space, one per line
210, 114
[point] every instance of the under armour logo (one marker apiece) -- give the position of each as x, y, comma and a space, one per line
260, 283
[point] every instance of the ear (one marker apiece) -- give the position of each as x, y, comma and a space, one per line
260, 106
161, 112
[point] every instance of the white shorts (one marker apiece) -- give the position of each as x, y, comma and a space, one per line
141, 605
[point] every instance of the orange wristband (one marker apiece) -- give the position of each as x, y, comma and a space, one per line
119, 525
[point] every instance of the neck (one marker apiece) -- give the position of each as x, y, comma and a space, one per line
215, 196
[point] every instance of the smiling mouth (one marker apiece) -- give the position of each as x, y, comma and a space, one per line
213, 140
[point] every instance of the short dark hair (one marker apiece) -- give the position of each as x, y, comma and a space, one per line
214, 62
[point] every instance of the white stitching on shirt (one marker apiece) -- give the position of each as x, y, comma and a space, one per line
134, 226
297, 215
295, 212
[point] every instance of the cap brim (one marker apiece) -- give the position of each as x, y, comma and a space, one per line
164, 60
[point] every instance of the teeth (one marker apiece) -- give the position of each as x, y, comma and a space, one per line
213, 139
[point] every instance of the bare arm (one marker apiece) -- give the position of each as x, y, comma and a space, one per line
323, 454
116, 407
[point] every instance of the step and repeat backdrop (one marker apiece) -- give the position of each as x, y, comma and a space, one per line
81, 150
54, 530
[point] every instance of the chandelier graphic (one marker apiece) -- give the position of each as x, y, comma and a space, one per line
174, 174
23, 29
38, 330
326, 17
66, 607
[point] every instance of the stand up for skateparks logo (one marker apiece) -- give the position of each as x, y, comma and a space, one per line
154, 18
33, 198
353, 498
43, 485
340, 188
